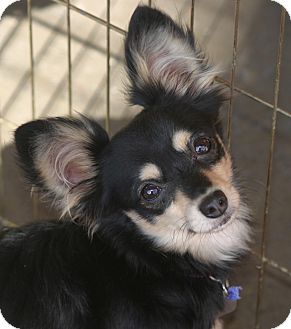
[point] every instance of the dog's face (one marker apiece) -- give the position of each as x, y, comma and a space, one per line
173, 174
174, 180
168, 170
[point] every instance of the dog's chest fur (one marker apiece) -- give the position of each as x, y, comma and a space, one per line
150, 300
106, 286
142, 288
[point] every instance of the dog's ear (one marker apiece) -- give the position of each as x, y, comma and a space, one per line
163, 60
61, 157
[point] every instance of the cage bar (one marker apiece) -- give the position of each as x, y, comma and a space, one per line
91, 16
233, 69
253, 97
192, 15
270, 168
107, 122
32, 87
32, 81
70, 96
272, 263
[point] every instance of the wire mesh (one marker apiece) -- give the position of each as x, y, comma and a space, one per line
270, 167
263, 258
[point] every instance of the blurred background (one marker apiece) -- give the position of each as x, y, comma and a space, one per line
63, 57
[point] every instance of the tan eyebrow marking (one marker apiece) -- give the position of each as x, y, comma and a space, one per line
150, 171
180, 140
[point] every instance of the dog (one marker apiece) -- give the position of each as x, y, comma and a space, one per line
154, 220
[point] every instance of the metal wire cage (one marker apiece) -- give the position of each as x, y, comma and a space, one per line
259, 101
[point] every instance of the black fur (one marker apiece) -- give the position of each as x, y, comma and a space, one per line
54, 275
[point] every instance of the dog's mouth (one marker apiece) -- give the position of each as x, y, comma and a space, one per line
218, 225
223, 222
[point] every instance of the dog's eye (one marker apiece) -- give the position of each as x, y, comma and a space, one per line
202, 145
150, 192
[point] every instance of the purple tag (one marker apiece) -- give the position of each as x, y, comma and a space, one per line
233, 293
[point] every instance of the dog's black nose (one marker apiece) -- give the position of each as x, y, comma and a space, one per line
214, 205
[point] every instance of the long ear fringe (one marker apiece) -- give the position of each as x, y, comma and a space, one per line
60, 157
164, 62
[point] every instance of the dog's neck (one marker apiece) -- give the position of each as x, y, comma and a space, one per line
141, 254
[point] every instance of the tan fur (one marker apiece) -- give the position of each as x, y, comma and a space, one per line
220, 174
150, 171
180, 140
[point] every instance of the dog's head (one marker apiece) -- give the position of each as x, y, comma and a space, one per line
168, 170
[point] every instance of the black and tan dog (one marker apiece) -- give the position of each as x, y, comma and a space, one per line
155, 220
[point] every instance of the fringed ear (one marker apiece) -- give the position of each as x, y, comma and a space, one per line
163, 60
61, 157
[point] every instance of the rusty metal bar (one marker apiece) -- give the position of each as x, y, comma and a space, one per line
270, 167
32, 80
91, 16
150, 3
107, 122
272, 264
233, 70
253, 97
70, 97
26, 76
29, 15
192, 15
276, 266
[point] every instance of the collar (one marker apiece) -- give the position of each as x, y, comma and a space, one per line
231, 293
224, 284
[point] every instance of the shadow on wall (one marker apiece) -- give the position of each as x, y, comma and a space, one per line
19, 8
